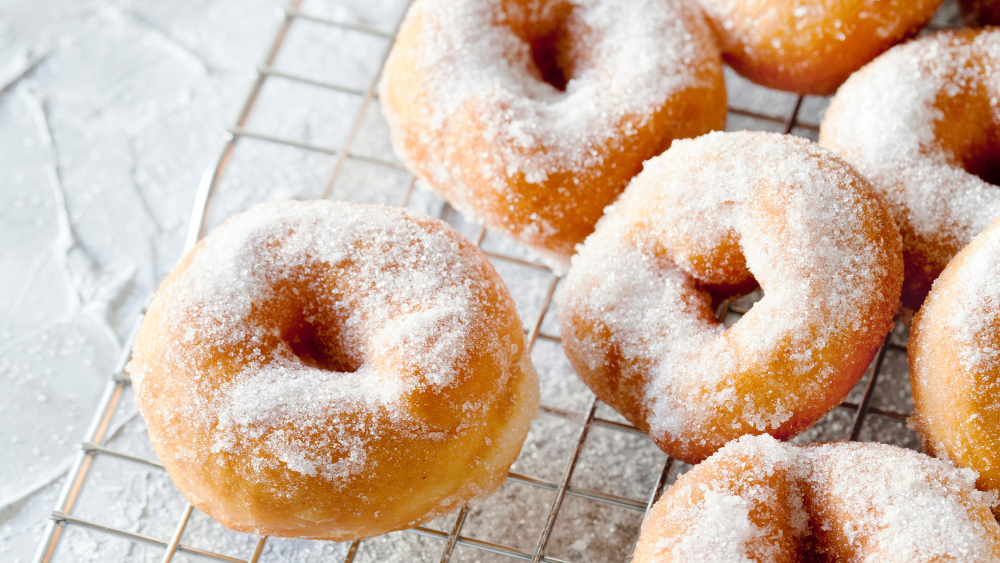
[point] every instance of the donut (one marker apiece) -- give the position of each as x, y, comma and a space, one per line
980, 12
954, 355
811, 46
922, 123
715, 216
335, 371
760, 500
531, 116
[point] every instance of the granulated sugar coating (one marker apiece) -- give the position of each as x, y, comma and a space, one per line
321, 369
720, 214
955, 361
532, 116
811, 46
760, 500
922, 123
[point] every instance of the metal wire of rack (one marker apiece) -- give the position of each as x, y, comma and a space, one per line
94, 443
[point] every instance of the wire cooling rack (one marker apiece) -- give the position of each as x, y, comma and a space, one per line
530, 518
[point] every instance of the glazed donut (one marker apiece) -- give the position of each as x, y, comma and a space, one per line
811, 46
718, 214
922, 123
980, 12
331, 370
531, 116
760, 500
954, 354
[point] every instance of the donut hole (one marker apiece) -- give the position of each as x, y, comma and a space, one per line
971, 141
555, 36
717, 265
738, 300
549, 53
720, 274
722, 271
984, 161
323, 345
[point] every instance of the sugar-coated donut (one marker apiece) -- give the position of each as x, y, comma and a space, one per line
811, 46
531, 116
922, 122
719, 214
763, 501
954, 354
331, 370
980, 12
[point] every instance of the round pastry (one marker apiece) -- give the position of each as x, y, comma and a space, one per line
922, 123
331, 370
718, 215
811, 46
980, 12
760, 500
954, 354
531, 116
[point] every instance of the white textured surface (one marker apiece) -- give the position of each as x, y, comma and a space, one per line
109, 113
110, 110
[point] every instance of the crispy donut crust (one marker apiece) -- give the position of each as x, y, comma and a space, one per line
811, 46
478, 114
762, 501
331, 370
954, 365
719, 214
